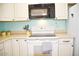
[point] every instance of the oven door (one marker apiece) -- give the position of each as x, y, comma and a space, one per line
42, 47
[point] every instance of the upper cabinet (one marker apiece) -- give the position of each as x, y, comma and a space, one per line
61, 10
6, 12
13, 12
21, 11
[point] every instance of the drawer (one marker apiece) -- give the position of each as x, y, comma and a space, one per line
66, 41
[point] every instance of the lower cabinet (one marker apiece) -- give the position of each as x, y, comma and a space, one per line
7, 48
15, 47
19, 47
23, 47
65, 50
66, 47
36, 47
1, 48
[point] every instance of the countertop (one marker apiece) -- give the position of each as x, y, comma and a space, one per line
23, 35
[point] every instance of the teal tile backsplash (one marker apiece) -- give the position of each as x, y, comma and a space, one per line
18, 26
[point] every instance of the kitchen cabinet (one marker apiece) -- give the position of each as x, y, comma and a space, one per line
7, 48
37, 47
66, 47
6, 11
13, 11
15, 47
42, 47
61, 10
20, 11
23, 47
1, 48
19, 47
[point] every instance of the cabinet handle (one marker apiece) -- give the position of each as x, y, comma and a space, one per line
72, 45
17, 40
66, 41
72, 14
25, 40
1, 49
13, 19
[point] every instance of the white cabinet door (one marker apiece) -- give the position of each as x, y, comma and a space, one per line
6, 11
1, 48
65, 47
15, 47
19, 47
23, 47
40, 47
13, 11
7, 48
61, 10
20, 11
65, 50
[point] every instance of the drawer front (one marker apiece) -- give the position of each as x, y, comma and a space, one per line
66, 41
